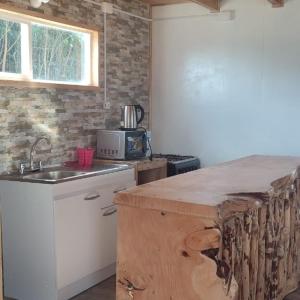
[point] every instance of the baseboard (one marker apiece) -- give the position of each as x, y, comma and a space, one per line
85, 283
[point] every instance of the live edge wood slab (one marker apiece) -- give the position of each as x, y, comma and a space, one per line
226, 232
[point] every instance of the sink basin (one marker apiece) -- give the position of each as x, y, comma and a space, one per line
54, 175
61, 174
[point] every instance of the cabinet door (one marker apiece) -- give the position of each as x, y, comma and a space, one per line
85, 226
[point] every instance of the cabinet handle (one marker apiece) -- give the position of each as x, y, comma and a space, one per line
120, 190
110, 211
92, 197
109, 206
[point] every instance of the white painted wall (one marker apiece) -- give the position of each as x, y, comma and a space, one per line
222, 90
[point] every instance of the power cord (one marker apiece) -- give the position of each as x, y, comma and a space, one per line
148, 140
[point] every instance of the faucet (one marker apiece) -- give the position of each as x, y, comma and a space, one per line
32, 150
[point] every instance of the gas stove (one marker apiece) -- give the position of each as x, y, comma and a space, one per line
179, 164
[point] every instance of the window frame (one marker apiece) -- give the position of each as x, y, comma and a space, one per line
26, 19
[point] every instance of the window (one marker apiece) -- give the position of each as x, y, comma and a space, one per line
10, 47
41, 51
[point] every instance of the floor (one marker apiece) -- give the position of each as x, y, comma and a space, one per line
293, 296
106, 290
103, 291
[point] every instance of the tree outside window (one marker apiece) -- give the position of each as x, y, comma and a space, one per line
10, 47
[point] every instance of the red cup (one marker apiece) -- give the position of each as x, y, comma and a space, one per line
88, 156
81, 156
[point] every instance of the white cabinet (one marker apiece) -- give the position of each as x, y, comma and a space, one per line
85, 239
70, 229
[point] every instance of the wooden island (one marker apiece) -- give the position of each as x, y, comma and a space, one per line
226, 232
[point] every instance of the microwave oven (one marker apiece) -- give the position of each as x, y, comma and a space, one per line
121, 145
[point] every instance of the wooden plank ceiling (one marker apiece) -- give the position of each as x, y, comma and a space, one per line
213, 5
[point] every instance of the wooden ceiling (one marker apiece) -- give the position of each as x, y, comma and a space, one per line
213, 5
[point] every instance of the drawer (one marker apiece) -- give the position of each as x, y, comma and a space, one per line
114, 181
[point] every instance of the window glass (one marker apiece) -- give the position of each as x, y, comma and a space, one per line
10, 47
34, 49
57, 54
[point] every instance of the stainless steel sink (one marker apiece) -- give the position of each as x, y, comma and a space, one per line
53, 175
61, 174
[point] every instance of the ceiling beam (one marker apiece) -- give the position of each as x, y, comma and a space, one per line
277, 3
210, 4
213, 5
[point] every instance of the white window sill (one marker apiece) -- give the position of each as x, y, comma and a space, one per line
47, 85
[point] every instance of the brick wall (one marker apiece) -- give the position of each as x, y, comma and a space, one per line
71, 118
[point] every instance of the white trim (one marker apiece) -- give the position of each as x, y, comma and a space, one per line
105, 56
86, 61
9, 15
12, 76
58, 26
12, 17
25, 52
30, 74
60, 82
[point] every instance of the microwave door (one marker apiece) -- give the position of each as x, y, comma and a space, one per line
135, 146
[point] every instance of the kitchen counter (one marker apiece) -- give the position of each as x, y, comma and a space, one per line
146, 170
201, 192
176, 234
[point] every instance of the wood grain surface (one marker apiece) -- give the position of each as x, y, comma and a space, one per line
204, 189
159, 257
227, 232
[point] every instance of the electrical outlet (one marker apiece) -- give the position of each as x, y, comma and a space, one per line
106, 105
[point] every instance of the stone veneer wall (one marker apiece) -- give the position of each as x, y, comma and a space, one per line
71, 118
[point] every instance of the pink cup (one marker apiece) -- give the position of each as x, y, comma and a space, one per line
88, 156
81, 156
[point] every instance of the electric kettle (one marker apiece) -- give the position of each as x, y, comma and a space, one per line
131, 116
